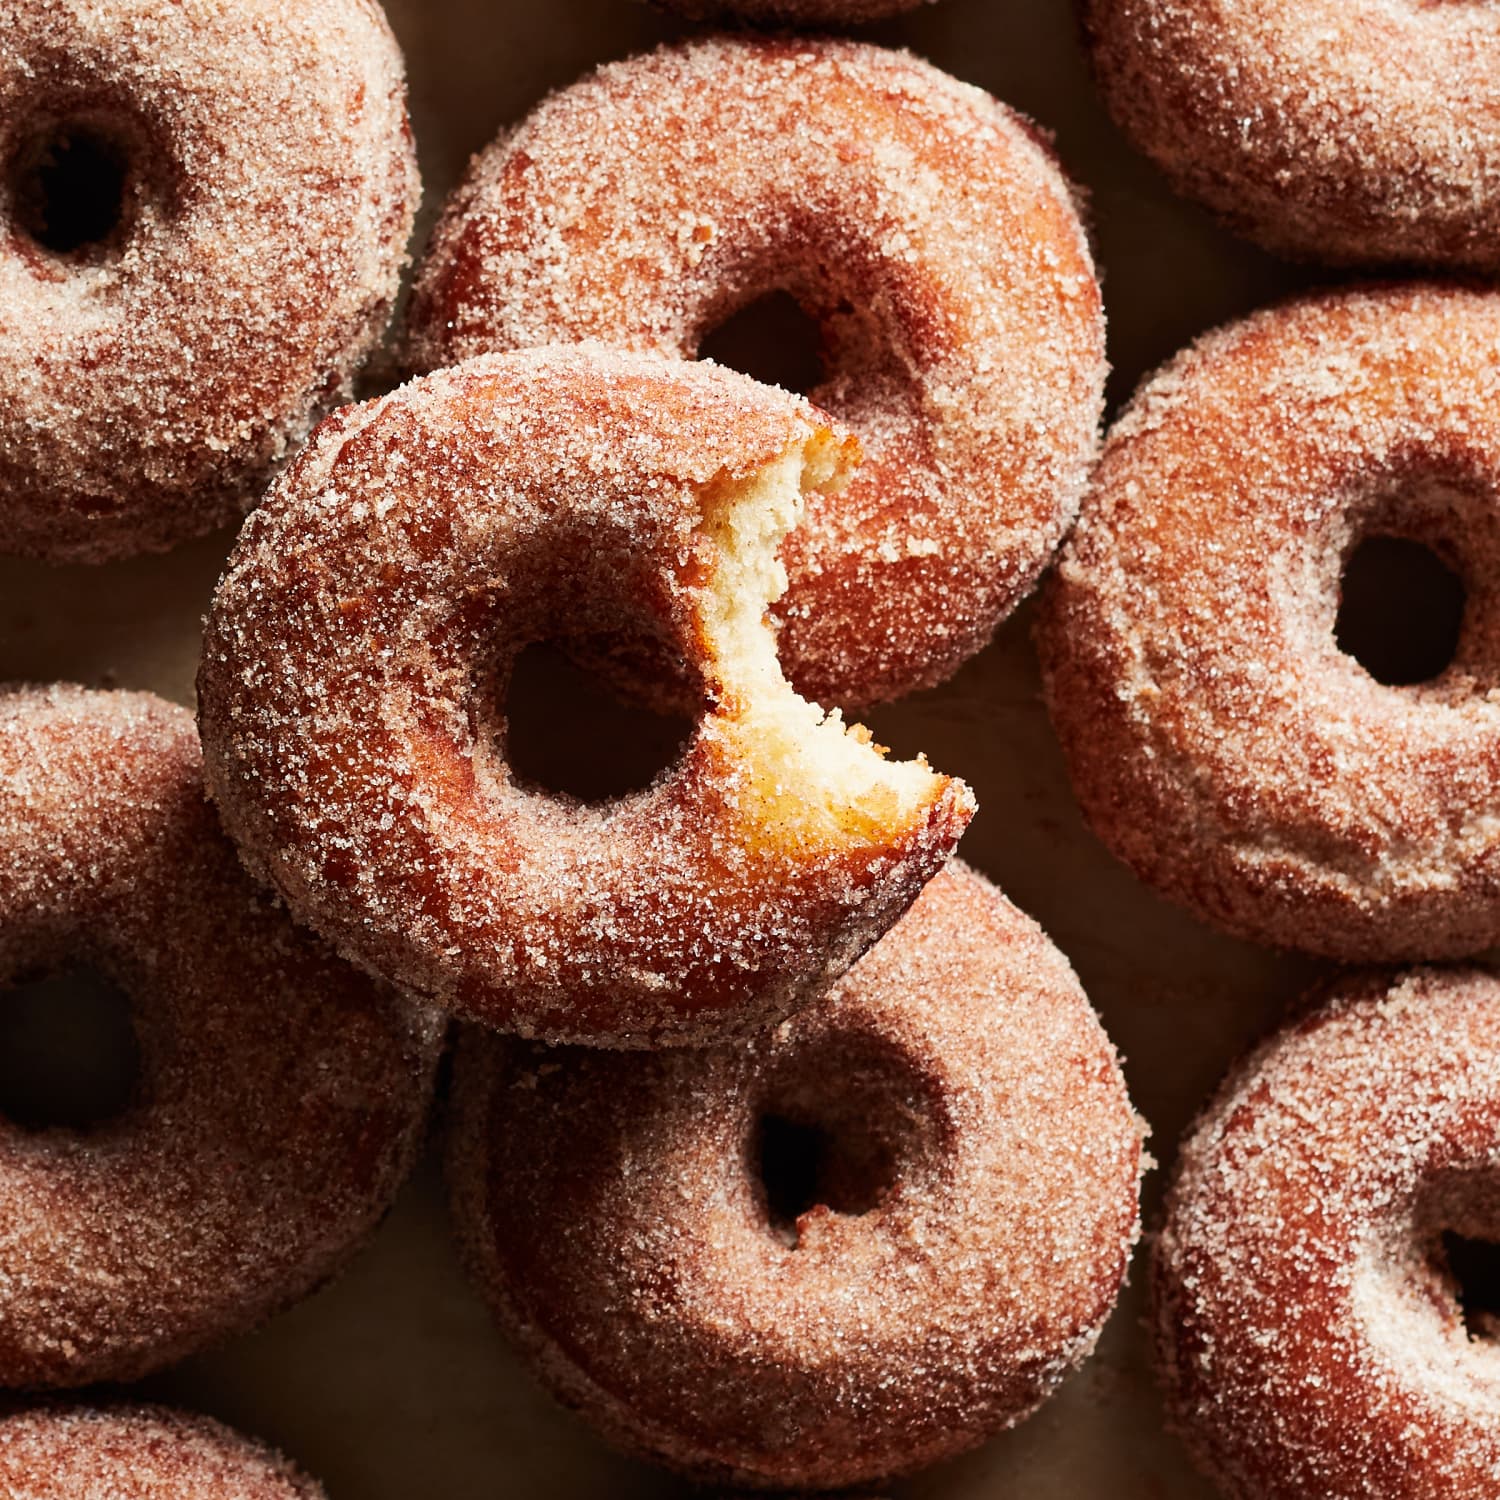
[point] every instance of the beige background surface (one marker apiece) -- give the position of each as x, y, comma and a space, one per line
391, 1383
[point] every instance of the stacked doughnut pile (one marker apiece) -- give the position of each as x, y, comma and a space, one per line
784, 1148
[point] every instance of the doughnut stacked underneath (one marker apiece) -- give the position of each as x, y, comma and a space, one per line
281, 1095
852, 1246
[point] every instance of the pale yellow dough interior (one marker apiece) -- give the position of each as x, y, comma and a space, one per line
813, 777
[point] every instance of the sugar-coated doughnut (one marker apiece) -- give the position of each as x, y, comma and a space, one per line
970, 1199
923, 225
204, 209
1351, 131
280, 1097
1219, 740
354, 672
1309, 1324
138, 1453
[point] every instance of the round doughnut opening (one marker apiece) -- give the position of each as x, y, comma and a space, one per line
69, 189
1473, 1272
1401, 610
838, 1132
773, 340
557, 714
69, 1059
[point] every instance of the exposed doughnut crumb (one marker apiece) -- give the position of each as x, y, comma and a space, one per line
953, 1255
281, 1095
925, 227
1363, 132
1219, 740
138, 1453
1309, 1327
151, 380
352, 703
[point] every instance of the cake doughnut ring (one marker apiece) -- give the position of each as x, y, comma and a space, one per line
281, 1095
139, 1452
923, 225
360, 642
952, 1254
204, 210
1219, 740
1309, 1326
1346, 131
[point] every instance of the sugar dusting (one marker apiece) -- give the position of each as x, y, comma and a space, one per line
1310, 1337
139, 1452
350, 702
1218, 739
281, 1097
271, 187
611, 1210
924, 226
1354, 131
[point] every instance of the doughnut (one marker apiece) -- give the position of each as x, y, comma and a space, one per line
955, 1225
1309, 1324
1356, 132
922, 225
204, 210
139, 1452
280, 1095
353, 680
1219, 740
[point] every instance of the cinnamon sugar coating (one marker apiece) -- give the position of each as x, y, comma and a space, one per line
281, 1095
153, 375
353, 682
1219, 740
1309, 1327
1359, 132
138, 1453
973, 1127
925, 227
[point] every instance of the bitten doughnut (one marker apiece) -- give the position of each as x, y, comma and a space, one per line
924, 226
204, 210
1310, 1327
352, 703
139, 1452
1219, 740
944, 1236
1349, 131
280, 1094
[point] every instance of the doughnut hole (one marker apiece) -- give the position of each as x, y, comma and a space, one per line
1415, 593
557, 714
773, 339
69, 1058
838, 1130
73, 187
1401, 610
1473, 1269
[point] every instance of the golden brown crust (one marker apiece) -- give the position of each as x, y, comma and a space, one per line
925, 227
612, 1212
1218, 739
143, 1452
147, 390
281, 1095
1353, 131
348, 688
1308, 1328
